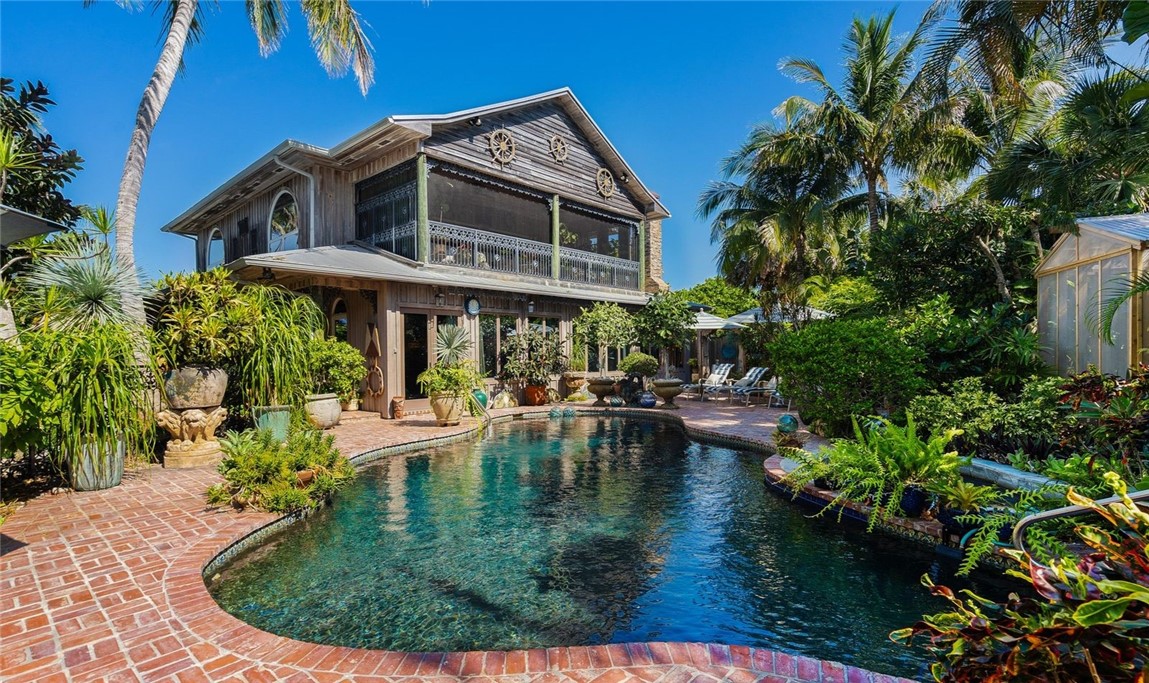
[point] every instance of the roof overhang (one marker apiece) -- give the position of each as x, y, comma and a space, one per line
16, 225
354, 261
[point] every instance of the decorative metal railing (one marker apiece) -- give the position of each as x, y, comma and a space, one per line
455, 245
597, 269
397, 240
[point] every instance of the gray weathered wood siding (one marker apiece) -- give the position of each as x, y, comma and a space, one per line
533, 165
257, 210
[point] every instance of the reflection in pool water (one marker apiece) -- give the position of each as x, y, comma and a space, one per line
579, 532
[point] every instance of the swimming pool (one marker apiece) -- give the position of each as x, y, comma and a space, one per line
582, 531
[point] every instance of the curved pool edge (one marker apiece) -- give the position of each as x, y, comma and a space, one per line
109, 585
613, 662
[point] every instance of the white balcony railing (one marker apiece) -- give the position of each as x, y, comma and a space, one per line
597, 269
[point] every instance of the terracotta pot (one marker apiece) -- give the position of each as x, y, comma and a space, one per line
448, 409
195, 386
323, 410
534, 396
397, 408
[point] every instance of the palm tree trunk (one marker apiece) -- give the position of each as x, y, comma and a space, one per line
152, 102
872, 203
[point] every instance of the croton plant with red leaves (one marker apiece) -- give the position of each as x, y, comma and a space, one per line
1090, 623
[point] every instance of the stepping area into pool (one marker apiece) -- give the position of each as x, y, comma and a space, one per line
108, 586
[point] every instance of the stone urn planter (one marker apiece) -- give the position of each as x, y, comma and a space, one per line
195, 386
194, 395
601, 387
667, 390
323, 410
448, 408
575, 381
351, 405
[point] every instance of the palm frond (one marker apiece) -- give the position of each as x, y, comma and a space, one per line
339, 40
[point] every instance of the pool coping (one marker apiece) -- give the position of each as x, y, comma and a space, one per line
213, 645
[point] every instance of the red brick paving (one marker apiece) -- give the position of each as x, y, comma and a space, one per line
108, 586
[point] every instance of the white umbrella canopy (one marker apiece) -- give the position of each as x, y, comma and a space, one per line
16, 225
754, 315
707, 321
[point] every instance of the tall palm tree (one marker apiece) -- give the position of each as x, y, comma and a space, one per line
773, 208
1093, 151
336, 35
881, 112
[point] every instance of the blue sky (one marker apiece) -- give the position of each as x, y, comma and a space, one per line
675, 86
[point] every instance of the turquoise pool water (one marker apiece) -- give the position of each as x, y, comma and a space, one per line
582, 531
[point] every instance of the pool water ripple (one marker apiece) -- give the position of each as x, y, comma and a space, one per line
577, 532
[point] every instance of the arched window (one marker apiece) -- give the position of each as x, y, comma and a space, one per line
339, 320
283, 228
215, 253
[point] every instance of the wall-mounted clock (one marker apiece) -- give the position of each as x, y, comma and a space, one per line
471, 306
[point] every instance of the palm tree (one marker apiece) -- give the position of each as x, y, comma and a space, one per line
773, 209
336, 34
881, 112
1092, 152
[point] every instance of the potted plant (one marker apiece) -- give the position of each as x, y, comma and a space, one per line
337, 370
201, 320
958, 498
575, 377
275, 368
530, 359
637, 366
451, 381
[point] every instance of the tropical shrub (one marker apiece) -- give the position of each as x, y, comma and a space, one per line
337, 368
848, 297
1090, 622
604, 325
878, 464
638, 363
201, 319
264, 473
836, 369
662, 323
725, 299
273, 367
532, 357
1110, 415
29, 399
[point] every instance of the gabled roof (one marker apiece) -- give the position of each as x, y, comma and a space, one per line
400, 129
1132, 228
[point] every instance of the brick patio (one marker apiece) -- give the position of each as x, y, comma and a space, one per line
107, 586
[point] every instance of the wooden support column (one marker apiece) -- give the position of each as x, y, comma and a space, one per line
555, 237
422, 229
642, 255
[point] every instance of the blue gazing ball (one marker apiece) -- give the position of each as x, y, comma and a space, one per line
788, 424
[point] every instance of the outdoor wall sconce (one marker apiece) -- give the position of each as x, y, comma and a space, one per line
531, 306
624, 178
440, 299
476, 121
267, 275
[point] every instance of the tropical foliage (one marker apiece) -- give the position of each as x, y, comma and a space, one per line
337, 368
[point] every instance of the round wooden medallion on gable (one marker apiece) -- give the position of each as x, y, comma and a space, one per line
559, 148
605, 182
502, 146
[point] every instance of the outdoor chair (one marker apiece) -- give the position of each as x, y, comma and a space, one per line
716, 378
732, 389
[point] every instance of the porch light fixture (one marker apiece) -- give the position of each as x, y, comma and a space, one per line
440, 299
267, 275
531, 306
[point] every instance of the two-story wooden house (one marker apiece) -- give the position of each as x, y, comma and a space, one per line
497, 218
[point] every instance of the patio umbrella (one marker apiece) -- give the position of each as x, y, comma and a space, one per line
707, 322
754, 315
16, 225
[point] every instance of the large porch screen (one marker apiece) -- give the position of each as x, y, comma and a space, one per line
457, 200
594, 232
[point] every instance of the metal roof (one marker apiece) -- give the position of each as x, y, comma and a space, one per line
1131, 227
16, 225
355, 261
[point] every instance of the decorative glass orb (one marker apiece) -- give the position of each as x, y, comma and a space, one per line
616, 401
556, 412
568, 412
787, 424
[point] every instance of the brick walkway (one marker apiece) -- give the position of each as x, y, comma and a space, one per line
107, 586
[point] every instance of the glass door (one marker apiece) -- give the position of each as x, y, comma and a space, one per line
415, 357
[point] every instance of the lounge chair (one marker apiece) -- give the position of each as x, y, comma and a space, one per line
716, 378
752, 377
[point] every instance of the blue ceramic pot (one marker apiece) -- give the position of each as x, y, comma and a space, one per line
647, 400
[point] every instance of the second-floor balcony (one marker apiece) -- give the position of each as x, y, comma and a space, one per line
456, 245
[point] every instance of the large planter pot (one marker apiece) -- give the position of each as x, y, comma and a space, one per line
667, 390
323, 410
351, 405
448, 409
914, 501
948, 518
275, 419
195, 386
92, 471
534, 395
601, 387
574, 380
